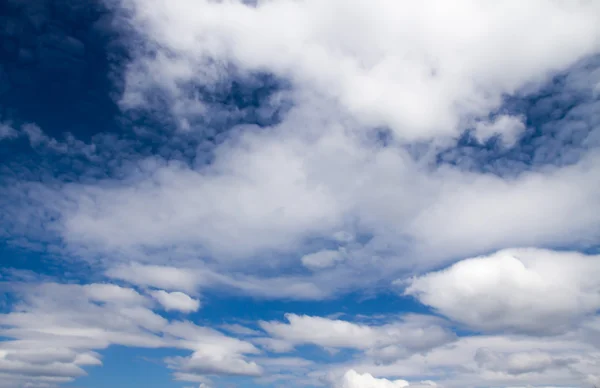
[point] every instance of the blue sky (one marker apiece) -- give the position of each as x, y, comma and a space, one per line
314, 193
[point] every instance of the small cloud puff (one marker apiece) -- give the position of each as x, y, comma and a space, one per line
353, 379
176, 301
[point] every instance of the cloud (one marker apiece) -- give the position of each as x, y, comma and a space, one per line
415, 216
190, 279
274, 345
322, 259
508, 127
520, 362
314, 157
214, 353
176, 301
52, 332
269, 192
416, 71
392, 340
521, 290
281, 196
169, 278
212, 362
258, 212
105, 292
352, 379
7, 131
494, 360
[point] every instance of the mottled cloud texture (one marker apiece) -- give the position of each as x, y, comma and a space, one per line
444, 153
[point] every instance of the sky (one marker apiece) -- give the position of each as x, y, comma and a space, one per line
299, 193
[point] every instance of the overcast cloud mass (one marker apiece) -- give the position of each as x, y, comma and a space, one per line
299, 193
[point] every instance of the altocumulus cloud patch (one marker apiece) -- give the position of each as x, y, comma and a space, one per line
303, 193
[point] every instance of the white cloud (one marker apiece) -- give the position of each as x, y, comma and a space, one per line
211, 361
353, 379
214, 353
106, 292
54, 329
396, 339
169, 278
414, 215
316, 174
275, 199
508, 127
274, 344
270, 193
418, 68
176, 301
190, 279
502, 361
523, 290
322, 259
520, 362
216, 212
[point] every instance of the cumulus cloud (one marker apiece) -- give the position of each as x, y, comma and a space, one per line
271, 196
522, 290
212, 362
53, 331
316, 156
176, 301
214, 353
411, 68
353, 379
327, 168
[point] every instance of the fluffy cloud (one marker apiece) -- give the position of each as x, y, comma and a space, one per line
212, 361
55, 328
371, 156
353, 379
335, 165
523, 290
176, 301
415, 215
418, 69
